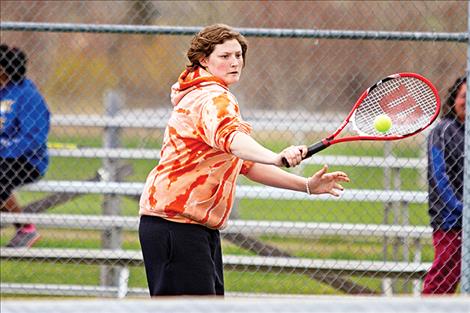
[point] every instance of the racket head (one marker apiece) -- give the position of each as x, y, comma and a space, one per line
410, 100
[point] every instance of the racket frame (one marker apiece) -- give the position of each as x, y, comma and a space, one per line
331, 140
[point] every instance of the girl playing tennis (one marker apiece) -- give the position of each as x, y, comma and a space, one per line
189, 195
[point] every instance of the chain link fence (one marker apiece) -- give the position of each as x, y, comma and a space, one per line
105, 69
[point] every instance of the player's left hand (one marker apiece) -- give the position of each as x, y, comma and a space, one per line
323, 182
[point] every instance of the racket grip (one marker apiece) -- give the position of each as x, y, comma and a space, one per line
315, 148
285, 163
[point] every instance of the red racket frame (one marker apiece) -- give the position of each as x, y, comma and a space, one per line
330, 140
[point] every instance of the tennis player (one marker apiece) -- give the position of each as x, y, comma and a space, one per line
188, 196
446, 145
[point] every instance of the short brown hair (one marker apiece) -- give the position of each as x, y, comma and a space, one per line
204, 42
449, 103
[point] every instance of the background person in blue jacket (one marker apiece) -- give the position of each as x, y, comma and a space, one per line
24, 127
445, 176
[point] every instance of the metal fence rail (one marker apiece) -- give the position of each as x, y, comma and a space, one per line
245, 304
250, 32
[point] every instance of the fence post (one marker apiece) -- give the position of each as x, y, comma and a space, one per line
387, 287
417, 259
111, 237
465, 277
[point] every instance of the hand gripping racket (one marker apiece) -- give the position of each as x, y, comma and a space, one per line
410, 100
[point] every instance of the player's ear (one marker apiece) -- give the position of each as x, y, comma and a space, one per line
203, 61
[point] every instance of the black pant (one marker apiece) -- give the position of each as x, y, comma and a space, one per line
15, 173
181, 259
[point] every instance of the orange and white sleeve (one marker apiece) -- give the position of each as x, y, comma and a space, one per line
219, 120
246, 167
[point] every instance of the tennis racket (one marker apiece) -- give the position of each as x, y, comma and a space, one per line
410, 100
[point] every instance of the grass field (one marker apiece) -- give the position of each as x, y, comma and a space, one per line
331, 247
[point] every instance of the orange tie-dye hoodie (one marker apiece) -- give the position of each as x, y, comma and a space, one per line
195, 179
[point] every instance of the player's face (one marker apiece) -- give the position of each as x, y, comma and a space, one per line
225, 62
459, 103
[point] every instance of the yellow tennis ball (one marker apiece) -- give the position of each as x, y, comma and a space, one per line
383, 123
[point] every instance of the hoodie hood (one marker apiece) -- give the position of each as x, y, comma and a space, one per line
190, 80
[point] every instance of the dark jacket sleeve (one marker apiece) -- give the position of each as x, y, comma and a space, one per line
442, 192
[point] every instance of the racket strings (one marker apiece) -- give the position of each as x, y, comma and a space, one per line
408, 101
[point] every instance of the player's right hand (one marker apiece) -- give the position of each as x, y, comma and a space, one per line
293, 155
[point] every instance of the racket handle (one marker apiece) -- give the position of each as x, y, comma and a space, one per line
285, 163
315, 148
